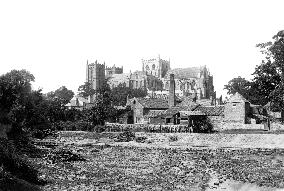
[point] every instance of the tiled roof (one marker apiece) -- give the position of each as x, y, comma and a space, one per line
153, 113
153, 103
185, 73
211, 110
190, 106
189, 113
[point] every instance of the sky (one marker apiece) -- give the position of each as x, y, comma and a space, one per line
54, 39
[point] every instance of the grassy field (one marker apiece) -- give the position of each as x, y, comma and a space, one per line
141, 168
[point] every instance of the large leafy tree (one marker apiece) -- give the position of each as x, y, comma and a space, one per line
269, 75
239, 84
86, 90
103, 105
250, 90
121, 92
62, 95
15, 89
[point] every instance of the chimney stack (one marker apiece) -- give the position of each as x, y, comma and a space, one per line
172, 101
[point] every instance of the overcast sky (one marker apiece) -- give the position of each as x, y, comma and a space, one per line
53, 39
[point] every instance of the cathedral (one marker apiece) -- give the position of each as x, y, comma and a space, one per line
155, 77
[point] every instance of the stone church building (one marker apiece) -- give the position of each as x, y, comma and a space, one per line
155, 77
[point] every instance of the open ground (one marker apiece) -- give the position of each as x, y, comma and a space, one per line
219, 161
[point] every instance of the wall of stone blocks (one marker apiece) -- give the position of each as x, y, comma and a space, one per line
235, 112
220, 124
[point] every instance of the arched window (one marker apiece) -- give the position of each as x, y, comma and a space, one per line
147, 67
153, 67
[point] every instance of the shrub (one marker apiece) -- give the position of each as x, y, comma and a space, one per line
173, 138
13, 164
125, 136
79, 125
141, 139
202, 125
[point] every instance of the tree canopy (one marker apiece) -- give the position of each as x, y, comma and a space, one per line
269, 75
62, 95
267, 84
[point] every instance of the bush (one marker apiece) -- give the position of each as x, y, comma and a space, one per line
173, 138
15, 165
79, 125
202, 125
125, 136
141, 139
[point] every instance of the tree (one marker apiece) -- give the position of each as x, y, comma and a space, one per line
239, 84
62, 94
15, 88
121, 92
103, 108
86, 90
270, 74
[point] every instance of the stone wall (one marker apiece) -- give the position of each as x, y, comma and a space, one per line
112, 127
235, 112
220, 123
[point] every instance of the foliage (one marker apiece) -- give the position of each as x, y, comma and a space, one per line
103, 108
86, 90
239, 84
202, 125
121, 92
79, 125
173, 138
62, 95
16, 165
15, 88
248, 89
268, 82
269, 76
125, 136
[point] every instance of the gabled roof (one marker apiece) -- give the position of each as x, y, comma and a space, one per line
190, 113
153, 103
211, 110
77, 101
186, 73
153, 113
186, 105
237, 98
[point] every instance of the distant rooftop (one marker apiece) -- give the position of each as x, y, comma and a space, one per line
185, 73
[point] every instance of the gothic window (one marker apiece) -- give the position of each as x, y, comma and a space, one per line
167, 85
147, 67
153, 67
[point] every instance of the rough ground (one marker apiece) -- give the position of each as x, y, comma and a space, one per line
152, 166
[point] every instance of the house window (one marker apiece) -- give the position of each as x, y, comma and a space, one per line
168, 120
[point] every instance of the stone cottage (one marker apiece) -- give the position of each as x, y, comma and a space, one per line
237, 109
146, 108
